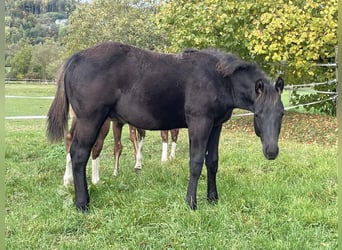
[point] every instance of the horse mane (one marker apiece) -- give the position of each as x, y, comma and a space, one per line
229, 63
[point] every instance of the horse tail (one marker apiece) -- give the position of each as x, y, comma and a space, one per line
57, 121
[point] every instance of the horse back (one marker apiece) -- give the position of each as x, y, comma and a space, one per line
146, 89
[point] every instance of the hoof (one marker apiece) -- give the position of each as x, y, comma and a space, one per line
137, 168
192, 204
212, 198
82, 208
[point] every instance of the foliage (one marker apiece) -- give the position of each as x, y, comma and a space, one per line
40, 61
20, 62
104, 20
286, 37
46, 59
31, 24
294, 36
34, 21
203, 24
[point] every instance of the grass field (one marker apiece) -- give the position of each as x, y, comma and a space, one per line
289, 203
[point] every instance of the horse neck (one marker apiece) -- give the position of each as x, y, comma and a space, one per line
243, 93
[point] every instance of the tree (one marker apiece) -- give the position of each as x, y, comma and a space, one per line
29, 28
104, 20
46, 58
283, 36
292, 38
21, 62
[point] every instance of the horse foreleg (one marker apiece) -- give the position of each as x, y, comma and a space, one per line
164, 136
211, 162
117, 130
199, 130
174, 137
96, 151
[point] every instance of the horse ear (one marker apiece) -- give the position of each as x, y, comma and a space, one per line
279, 86
259, 86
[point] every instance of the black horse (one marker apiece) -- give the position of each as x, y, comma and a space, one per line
194, 89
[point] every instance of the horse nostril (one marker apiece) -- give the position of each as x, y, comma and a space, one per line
271, 152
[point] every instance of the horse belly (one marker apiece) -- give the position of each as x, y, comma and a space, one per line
157, 116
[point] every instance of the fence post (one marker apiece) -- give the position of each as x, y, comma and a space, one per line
336, 67
336, 73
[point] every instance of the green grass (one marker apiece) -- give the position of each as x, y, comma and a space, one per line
28, 106
289, 203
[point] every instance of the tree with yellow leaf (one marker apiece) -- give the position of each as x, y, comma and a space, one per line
287, 37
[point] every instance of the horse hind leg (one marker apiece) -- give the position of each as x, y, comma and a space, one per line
138, 160
87, 131
117, 131
68, 178
96, 151
137, 142
164, 136
174, 137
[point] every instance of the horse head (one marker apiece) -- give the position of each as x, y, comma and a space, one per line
268, 113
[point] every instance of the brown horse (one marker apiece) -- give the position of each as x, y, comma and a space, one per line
136, 137
174, 137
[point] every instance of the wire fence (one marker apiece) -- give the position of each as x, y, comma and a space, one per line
290, 88
332, 95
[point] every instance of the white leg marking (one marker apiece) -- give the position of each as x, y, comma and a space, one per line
164, 151
95, 169
138, 163
116, 165
68, 178
173, 150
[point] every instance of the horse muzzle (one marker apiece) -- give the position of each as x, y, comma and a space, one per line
270, 152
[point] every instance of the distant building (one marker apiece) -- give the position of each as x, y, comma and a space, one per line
61, 21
